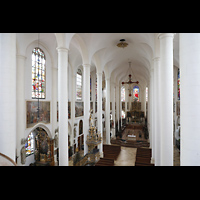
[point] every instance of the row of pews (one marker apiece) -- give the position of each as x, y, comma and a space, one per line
143, 157
111, 153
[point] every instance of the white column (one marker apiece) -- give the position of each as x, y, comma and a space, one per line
63, 105
54, 98
189, 98
148, 117
86, 97
113, 108
108, 111
126, 101
21, 110
117, 106
157, 111
152, 136
166, 75
175, 95
99, 109
8, 94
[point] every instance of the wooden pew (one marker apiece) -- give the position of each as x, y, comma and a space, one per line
143, 157
105, 162
111, 151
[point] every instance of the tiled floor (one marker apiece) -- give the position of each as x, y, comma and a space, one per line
176, 157
126, 157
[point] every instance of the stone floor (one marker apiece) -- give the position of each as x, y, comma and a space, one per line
176, 156
126, 157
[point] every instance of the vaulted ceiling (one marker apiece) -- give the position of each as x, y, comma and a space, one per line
100, 50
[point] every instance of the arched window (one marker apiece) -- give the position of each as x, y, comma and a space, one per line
38, 74
136, 93
79, 85
122, 93
146, 93
29, 145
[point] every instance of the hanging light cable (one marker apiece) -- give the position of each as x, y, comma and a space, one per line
130, 82
38, 109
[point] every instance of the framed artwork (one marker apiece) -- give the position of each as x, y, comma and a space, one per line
123, 106
32, 113
79, 109
69, 111
91, 106
95, 107
178, 108
103, 105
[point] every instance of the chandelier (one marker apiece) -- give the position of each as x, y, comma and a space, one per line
122, 43
129, 82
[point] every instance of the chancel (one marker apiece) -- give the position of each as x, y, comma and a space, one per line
95, 99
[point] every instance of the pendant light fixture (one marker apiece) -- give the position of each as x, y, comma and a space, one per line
130, 82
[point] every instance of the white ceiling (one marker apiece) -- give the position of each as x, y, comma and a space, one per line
100, 49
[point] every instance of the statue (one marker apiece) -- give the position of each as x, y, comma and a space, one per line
23, 155
91, 119
56, 140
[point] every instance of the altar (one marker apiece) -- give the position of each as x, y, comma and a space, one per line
135, 114
131, 137
44, 148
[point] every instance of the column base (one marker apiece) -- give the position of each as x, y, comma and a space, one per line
152, 160
101, 155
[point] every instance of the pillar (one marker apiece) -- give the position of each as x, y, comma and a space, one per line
151, 110
117, 106
21, 105
157, 110
86, 98
113, 108
108, 111
189, 98
63, 105
99, 109
8, 94
166, 95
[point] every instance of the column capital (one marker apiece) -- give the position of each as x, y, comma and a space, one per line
62, 49
162, 35
156, 59
21, 56
86, 65
99, 73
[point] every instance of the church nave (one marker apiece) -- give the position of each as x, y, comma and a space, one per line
65, 96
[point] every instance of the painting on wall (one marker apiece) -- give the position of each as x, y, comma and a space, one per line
123, 106
69, 111
32, 113
79, 109
95, 107
178, 108
91, 106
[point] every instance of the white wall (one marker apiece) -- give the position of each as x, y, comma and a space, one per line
28, 80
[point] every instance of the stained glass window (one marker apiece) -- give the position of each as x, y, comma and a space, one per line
178, 84
79, 85
136, 93
146, 93
122, 94
38, 74
30, 144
